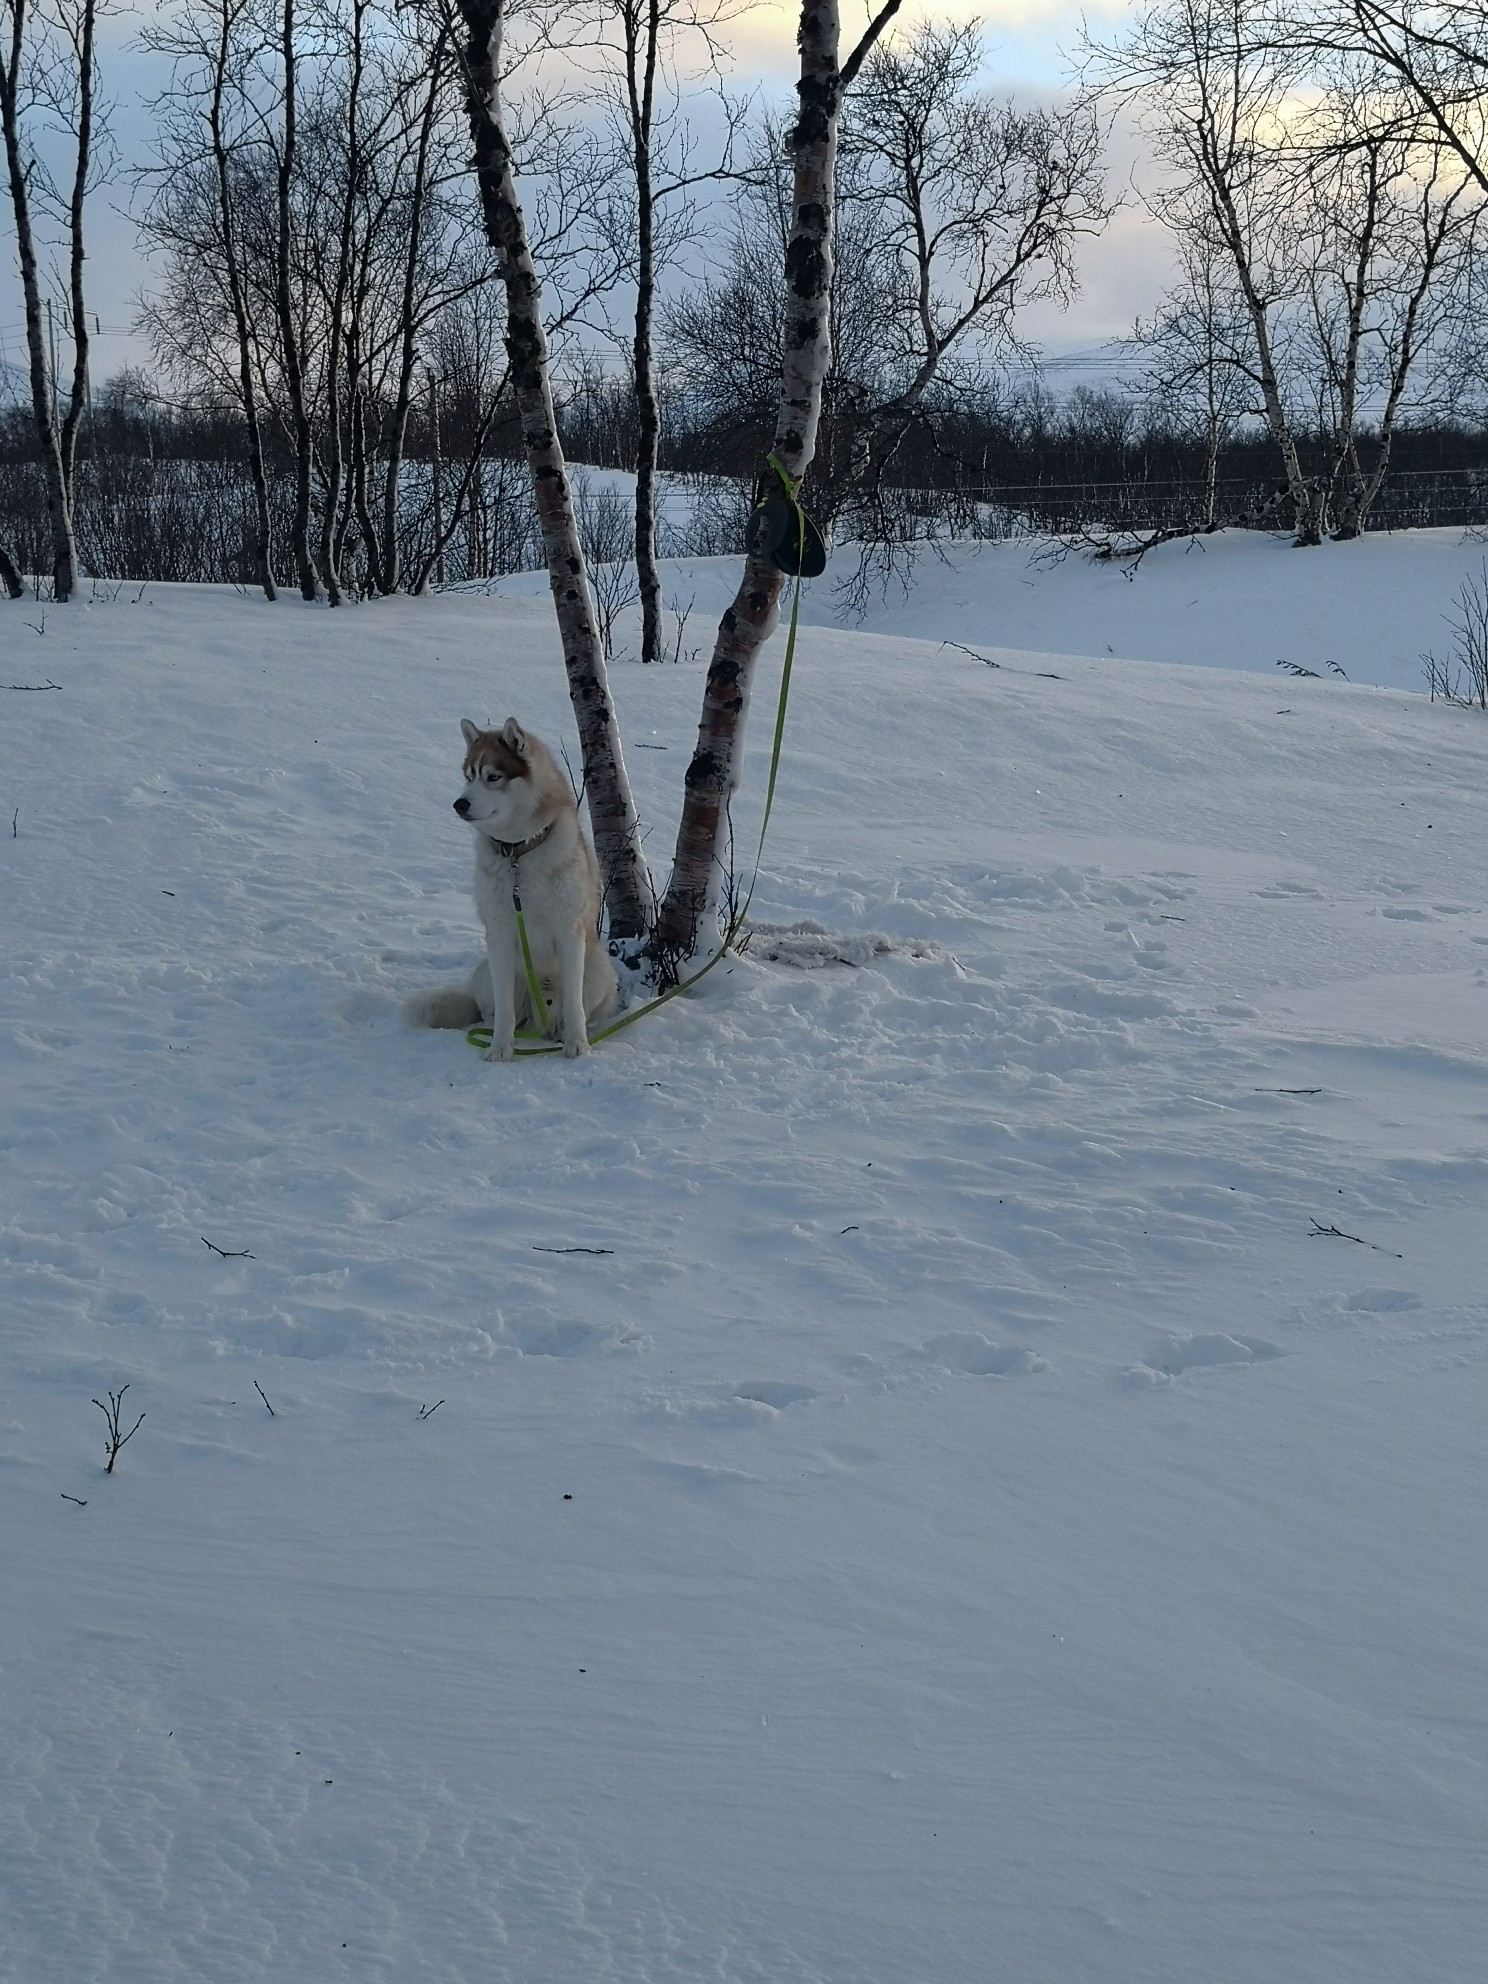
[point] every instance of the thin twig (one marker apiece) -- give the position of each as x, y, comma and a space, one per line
241, 1255
33, 688
111, 1414
265, 1397
538, 1249
1336, 1233
74, 1498
1287, 1091
428, 1411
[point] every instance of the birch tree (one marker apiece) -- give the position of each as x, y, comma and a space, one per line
612, 812
659, 153
32, 84
213, 50
1213, 86
284, 305
699, 867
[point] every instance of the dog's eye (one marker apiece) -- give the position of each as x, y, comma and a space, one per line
490, 777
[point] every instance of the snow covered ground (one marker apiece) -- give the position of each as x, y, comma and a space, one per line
1241, 599
1006, 1538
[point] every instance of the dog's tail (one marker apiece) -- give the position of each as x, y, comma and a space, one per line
447, 1006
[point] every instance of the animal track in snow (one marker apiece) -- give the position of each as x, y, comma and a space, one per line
1290, 892
809, 947
756, 1404
1379, 1301
776, 1396
569, 1339
970, 1352
1191, 1351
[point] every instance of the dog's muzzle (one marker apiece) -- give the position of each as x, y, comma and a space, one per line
462, 807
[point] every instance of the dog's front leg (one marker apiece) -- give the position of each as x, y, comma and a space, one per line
501, 954
571, 977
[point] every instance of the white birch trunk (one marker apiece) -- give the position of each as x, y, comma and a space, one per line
42, 380
699, 865
628, 891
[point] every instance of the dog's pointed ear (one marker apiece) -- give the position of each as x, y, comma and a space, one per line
514, 737
468, 730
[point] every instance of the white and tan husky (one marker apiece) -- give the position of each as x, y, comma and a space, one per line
528, 848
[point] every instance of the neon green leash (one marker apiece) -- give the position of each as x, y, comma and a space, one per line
480, 1036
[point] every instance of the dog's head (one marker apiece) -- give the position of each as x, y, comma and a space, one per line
498, 795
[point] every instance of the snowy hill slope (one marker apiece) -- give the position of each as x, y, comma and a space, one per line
1239, 599
1006, 1538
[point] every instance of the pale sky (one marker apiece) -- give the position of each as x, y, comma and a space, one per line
1028, 47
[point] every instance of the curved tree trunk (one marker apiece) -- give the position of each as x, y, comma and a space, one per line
628, 892
699, 870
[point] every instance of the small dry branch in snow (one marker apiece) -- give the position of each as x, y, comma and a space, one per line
222, 1253
1321, 1232
116, 1439
1462, 676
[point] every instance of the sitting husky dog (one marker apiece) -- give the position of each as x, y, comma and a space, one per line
528, 849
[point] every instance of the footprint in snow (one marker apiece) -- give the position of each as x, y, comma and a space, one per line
1187, 1351
1289, 892
970, 1352
568, 1339
1378, 1301
776, 1396
757, 1404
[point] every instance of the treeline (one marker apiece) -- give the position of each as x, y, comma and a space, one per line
162, 491
331, 402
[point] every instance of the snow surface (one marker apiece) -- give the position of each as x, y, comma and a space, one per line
1007, 1541
1239, 599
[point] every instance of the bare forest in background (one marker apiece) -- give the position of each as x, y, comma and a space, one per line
330, 404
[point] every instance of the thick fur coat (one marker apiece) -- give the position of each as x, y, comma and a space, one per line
527, 843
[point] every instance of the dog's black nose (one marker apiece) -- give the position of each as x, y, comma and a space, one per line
462, 807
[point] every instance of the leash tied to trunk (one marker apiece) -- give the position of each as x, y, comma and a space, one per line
776, 521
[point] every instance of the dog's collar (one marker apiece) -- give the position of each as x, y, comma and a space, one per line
515, 849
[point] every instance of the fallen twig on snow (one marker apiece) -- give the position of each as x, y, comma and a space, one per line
33, 688
537, 1248
265, 1397
428, 1411
241, 1255
961, 648
1321, 1232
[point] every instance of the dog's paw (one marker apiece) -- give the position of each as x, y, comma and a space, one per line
573, 1048
497, 1052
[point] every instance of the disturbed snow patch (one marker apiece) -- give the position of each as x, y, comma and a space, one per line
809, 946
1188, 1351
970, 1352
